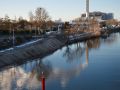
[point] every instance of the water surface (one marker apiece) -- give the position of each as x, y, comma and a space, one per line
90, 65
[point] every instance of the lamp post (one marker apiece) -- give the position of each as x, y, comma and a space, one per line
13, 38
13, 33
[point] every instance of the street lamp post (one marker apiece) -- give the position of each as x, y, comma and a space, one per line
13, 38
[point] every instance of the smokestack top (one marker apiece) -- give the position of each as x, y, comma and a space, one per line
87, 8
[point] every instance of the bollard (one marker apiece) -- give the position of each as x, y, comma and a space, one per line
43, 81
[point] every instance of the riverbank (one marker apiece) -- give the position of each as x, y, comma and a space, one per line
38, 49
7, 40
41, 48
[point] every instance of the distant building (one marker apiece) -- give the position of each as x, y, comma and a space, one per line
58, 25
59, 21
99, 15
107, 16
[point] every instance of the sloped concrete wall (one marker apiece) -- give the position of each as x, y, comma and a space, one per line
39, 49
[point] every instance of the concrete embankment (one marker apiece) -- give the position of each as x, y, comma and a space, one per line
83, 37
25, 53
37, 49
41, 48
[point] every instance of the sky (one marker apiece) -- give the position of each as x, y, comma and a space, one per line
64, 9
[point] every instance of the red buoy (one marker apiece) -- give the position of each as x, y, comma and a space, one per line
43, 81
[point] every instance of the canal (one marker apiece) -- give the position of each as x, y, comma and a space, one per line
89, 65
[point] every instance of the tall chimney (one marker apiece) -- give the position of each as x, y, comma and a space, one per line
87, 9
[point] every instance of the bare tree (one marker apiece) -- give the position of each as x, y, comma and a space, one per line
41, 17
49, 24
31, 17
31, 20
112, 22
7, 23
20, 18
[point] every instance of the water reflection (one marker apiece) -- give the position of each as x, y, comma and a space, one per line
39, 68
74, 53
111, 38
27, 76
74, 59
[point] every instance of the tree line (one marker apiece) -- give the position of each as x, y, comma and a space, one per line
39, 21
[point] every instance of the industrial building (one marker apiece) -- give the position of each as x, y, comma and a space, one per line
98, 15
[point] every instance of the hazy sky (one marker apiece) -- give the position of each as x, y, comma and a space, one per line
64, 9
